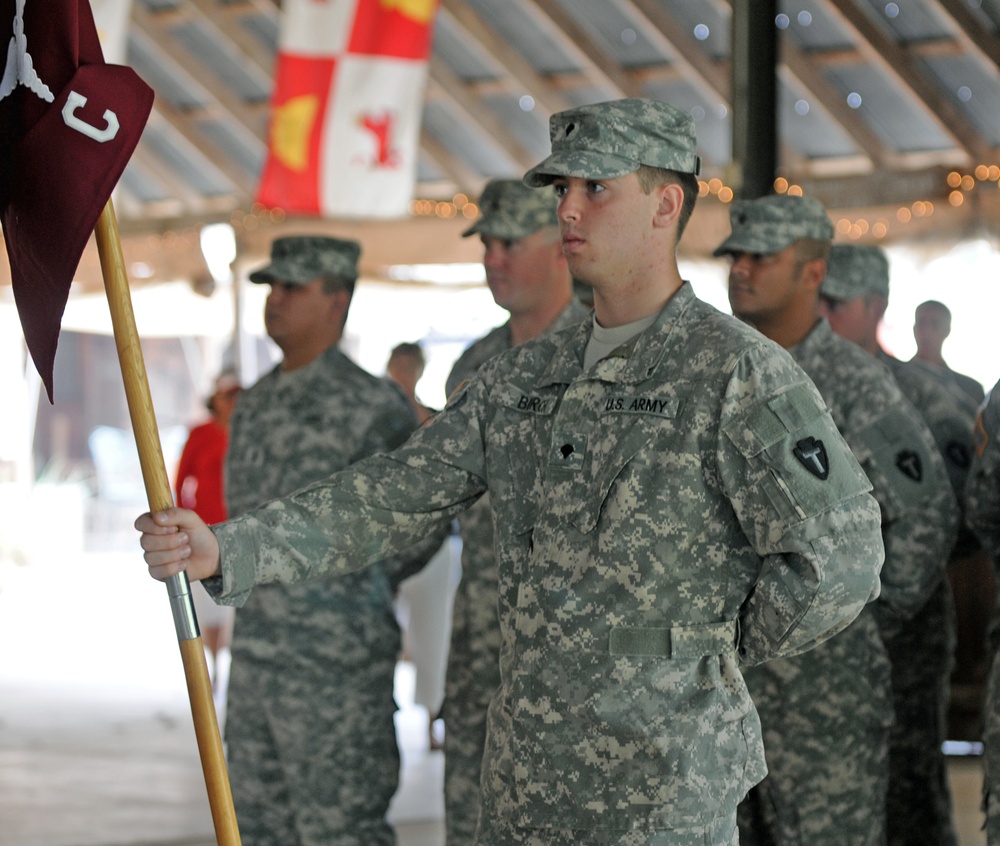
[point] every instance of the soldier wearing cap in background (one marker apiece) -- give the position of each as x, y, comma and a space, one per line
527, 274
826, 715
853, 298
656, 525
982, 510
311, 742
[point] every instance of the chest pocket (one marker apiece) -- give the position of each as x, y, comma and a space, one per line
516, 453
610, 448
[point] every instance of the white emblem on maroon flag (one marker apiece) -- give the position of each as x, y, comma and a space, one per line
19, 68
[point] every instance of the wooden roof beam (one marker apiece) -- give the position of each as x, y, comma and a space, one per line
223, 21
589, 55
971, 32
464, 178
156, 27
519, 71
805, 72
240, 180
712, 76
464, 101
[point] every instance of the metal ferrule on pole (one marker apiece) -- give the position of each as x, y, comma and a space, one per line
182, 607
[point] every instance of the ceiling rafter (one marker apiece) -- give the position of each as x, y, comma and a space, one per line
971, 33
156, 27
519, 71
811, 78
270, 9
713, 76
799, 67
924, 49
224, 19
184, 125
459, 97
463, 178
186, 197
588, 54
899, 63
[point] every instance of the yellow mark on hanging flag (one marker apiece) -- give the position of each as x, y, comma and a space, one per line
420, 11
291, 127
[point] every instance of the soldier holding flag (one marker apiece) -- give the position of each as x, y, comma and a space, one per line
655, 529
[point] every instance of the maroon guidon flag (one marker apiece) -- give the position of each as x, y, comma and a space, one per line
68, 126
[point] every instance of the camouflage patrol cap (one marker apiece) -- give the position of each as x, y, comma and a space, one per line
607, 140
769, 224
510, 210
298, 259
854, 270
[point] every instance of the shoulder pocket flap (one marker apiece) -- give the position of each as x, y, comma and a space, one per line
771, 422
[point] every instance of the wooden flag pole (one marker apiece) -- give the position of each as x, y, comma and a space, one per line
154, 474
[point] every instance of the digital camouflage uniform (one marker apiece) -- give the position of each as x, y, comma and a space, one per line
311, 742
921, 653
474, 658
982, 504
654, 531
509, 210
963, 389
826, 715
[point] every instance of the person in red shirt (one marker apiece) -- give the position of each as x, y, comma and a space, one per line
200, 488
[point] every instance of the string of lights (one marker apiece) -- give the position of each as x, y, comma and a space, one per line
959, 185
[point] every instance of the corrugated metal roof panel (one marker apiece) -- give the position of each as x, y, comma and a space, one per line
519, 30
976, 88
468, 146
807, 128
898, 120
617, 30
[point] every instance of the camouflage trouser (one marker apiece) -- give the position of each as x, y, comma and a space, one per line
826, 739
991, 756
313, 771
918, 809
720, 832
838, 802
464, 741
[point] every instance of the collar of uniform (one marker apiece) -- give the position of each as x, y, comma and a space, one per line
813, 347
650, 348
647, 350
567, 359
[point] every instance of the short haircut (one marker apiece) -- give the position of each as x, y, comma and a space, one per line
410, 349
934, 305
334, 282
809, 249
652, 177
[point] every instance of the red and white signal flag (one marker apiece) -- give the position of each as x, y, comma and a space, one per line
345, 113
